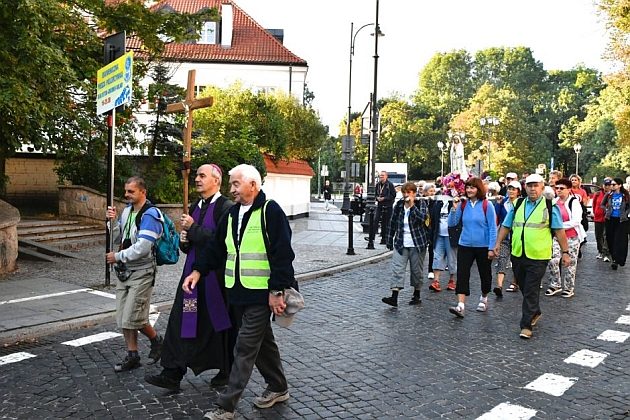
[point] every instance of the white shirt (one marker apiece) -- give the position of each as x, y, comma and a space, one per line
407, 239
242, 211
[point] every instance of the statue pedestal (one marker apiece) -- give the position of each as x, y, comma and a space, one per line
9, 218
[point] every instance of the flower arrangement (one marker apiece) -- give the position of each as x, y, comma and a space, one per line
453, 185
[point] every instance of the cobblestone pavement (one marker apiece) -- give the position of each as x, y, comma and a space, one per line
349, 356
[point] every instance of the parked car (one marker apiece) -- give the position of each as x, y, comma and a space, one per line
590, 189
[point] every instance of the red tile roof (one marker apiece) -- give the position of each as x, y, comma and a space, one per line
251, 43
288, 167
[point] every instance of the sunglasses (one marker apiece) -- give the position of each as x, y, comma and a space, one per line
613, 184
561, 188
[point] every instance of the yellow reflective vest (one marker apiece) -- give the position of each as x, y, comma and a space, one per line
532, 235
251, 255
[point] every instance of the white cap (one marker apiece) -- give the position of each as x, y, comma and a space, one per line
511, 175
515, 184
534, 178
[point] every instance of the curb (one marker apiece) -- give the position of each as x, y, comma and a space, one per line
28, 334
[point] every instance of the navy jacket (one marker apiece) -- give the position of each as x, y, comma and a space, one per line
279, 252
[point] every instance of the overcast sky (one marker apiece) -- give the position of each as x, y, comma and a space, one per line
561, 33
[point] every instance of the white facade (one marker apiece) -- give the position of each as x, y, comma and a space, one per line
291, 192
258, 78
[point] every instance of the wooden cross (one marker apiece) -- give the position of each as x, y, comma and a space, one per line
187, 106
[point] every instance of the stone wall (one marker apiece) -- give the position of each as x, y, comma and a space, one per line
31, 177
9, 218
82, 203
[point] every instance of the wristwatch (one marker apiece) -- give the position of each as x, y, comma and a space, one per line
565, 252
277, 292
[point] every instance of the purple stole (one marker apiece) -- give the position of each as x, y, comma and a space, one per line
214, 299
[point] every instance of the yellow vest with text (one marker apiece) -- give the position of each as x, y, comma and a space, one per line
534, 234
250, 257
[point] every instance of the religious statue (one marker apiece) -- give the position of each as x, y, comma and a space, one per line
458, 161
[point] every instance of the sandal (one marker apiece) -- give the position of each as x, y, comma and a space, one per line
512, 288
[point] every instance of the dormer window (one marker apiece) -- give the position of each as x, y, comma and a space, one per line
208, 33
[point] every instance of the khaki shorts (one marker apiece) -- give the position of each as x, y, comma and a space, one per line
133, 299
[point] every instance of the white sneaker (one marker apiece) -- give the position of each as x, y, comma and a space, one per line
483, 304
269, 398
599, 256
219, 413
606, 259
431, 276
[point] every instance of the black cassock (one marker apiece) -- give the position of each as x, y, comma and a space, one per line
209, 349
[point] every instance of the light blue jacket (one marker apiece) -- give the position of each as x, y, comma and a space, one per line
478, 229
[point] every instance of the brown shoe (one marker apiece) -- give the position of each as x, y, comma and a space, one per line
526, 333
535, 319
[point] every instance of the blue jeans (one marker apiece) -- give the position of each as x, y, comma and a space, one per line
444, 255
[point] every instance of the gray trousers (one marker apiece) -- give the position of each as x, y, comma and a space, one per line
255, 345
415, 257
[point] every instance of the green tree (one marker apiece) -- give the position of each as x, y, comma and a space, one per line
50, 51
445, 86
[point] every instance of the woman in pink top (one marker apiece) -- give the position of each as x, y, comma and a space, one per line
571, 211
577, 190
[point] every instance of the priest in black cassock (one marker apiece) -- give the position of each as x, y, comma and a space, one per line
200, 334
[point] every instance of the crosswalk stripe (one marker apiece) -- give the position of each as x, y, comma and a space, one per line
103, 294
586, 358
26, 299
506, 411
551, 384
153, 318
623, 319
15, 357
91, 339
614, 336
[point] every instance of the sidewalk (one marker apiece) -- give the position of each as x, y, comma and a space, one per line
41, 298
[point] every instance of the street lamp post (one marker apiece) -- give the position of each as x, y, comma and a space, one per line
347, 154
371, 199
487, 124
577, 148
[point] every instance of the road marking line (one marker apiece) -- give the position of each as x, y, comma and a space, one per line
508, 411
586, 358
91, 339
615, 336
623, 319
15, 357
628, 307
551, 384
153, 318
26, 299
103, 294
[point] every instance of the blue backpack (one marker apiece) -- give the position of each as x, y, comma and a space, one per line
167, 246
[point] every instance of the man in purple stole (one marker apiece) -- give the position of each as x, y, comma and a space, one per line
199, 334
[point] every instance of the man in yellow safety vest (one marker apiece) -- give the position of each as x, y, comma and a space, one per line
533, 221
253, 244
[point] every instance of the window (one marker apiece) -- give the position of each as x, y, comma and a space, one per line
208, 33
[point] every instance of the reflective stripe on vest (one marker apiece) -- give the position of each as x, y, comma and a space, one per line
534, 233
251, 256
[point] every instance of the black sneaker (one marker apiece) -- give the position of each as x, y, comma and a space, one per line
390, 301
156, 349
498, 291
163, 381
614, 266
128, 363
220, 379
415, 300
